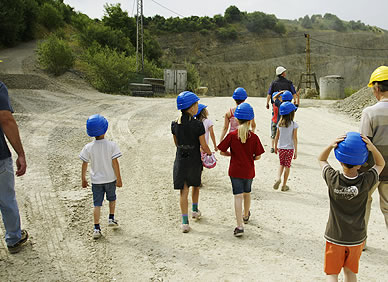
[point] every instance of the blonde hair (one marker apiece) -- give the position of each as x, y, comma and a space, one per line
203, 114
243, 130
286, 120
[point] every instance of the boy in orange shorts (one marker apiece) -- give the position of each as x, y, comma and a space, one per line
348, 192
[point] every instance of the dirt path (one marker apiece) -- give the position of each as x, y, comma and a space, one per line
283, 242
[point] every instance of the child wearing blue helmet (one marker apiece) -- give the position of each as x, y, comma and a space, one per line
278, 98
202, 115
286, 142
245, 148
230, 122
189, 136
348, 193
104, 170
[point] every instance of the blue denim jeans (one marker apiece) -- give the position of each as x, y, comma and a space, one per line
8, 205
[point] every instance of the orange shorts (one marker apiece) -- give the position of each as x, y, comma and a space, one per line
337, 256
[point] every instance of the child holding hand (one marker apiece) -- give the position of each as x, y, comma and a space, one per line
189, 136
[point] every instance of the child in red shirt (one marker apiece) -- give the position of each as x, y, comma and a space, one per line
245, 148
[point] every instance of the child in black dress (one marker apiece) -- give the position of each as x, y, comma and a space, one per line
189, 136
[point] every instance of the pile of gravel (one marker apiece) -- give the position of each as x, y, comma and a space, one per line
354, 104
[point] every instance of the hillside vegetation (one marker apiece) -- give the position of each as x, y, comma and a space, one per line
221, 52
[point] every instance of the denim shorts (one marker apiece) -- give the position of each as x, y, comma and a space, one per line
241, 185
100, 189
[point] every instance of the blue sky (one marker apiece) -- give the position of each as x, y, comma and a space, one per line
371, 13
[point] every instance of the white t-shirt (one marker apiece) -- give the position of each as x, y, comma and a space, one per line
286, 134
207, 123
100, 154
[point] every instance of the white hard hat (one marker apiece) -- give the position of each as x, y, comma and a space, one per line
280, 70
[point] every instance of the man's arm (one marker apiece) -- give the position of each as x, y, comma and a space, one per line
11, 131
268, 99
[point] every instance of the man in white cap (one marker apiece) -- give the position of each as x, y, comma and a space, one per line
279, 84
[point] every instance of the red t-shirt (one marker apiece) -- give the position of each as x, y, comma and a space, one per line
242, 154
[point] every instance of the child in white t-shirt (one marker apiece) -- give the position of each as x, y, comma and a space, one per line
104, 169
286, 142
202, 115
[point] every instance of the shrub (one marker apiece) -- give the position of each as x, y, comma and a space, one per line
55, 55
106, 37
111, 71
258, 22
232, 14
11, 22
226, 33
193, 79
50, 17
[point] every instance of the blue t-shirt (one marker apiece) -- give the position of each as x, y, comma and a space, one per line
5, 105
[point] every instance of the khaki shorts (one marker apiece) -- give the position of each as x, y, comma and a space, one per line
337, 256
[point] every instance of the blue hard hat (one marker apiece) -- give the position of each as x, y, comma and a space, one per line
240, 94
287, 96
200, 108
96, 125
244, 111
286, 108
352, 150
185, 99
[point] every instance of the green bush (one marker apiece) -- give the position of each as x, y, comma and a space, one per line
193, 79
106, 37
55, 55
111, 71
11, 22
50, 17
226, 33
232, 14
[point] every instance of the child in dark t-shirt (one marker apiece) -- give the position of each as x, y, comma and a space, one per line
348, 193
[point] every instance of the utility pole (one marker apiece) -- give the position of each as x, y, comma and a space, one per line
139, 37
308, 76
308, 63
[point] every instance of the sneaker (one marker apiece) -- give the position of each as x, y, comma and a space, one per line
246, 218
196, 215
272, 150
97, 234
18, 246
185, 228
238, 232
285, 188
276, 185
113, 223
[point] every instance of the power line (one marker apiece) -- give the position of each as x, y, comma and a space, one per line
349, 47
167, 8
133, 7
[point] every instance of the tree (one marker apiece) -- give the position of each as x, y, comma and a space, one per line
232, 14
117, 19
306, 22
11, 22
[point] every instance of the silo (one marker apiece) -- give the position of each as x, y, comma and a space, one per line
332, 87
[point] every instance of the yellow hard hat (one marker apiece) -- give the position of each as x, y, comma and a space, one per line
380, 74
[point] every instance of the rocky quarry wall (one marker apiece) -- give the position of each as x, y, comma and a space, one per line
250, 61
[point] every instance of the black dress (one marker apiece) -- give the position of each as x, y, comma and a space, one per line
187, 164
